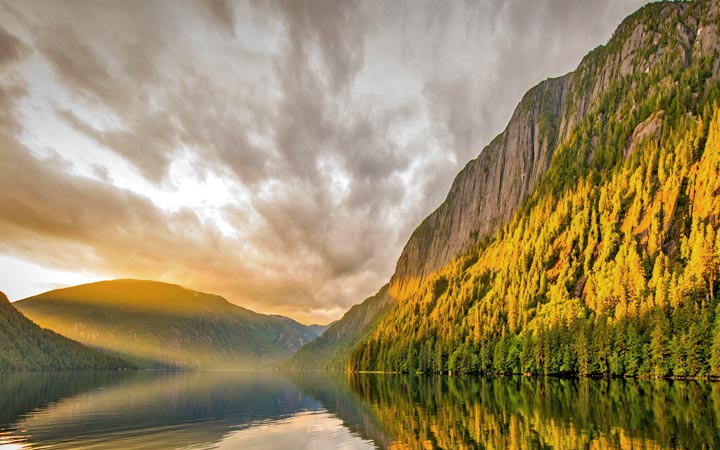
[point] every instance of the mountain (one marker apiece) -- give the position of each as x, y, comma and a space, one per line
582, 240
486, 194
488, 191
331, 349
164, 325
25, 346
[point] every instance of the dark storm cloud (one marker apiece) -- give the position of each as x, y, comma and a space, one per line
339, 124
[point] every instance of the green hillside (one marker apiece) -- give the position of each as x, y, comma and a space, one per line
26, 346
611, 266
164, 325
332, 348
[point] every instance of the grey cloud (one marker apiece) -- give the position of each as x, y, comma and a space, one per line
336, 28
311, 126
12, 49
374, 153
78, 65
159, 114
325, 32
8, 120
147, 139
377, 96
222, 13
216, 124
452, 104
146, 143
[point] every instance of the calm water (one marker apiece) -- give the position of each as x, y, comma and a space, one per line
268, 410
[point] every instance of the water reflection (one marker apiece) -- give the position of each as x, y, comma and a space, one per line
268, 410
523, 413
162, 410
306, 431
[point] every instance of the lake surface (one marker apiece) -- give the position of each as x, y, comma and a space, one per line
273, 410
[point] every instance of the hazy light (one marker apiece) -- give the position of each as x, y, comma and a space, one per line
21, 279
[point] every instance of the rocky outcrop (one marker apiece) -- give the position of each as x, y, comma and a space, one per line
650, 128
490, 189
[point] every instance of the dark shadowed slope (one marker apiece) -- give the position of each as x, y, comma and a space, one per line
26, 346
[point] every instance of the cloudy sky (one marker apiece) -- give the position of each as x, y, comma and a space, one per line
278, 153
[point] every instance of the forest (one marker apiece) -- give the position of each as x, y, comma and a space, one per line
26, 346
610, 268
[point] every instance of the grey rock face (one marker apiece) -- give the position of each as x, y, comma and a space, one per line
490, 189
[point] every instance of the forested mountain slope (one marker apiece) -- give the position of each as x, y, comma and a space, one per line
164, 325
332, 348
610, 266
26, 346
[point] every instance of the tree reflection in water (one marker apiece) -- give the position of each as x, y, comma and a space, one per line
521, 413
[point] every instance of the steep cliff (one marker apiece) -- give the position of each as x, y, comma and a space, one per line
611, 265
490, 189
585, 123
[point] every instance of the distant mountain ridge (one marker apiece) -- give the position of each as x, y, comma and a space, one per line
164, 325
25, 346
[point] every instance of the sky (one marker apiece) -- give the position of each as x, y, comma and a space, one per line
278, 153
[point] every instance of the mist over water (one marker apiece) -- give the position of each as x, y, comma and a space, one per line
273, 410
